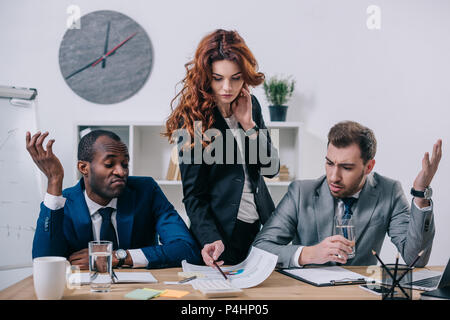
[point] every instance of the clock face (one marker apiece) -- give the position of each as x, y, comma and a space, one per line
108, 59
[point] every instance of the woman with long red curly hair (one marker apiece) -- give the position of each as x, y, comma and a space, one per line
225, 196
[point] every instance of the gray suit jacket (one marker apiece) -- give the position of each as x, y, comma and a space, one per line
305, 217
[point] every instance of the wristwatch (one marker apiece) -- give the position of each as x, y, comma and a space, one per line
251, 131
121, 255
426, 194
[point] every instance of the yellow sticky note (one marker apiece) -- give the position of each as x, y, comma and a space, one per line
174, 293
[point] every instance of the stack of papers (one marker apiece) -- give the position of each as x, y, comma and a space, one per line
256, 268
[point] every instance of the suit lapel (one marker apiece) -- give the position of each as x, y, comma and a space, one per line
324, 211
125, 217
365, 206
80, 215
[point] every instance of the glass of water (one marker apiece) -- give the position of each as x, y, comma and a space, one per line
100, 265
345, 228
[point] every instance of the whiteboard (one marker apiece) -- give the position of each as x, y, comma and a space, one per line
20, 184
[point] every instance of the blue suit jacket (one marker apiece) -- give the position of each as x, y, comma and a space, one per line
143, 213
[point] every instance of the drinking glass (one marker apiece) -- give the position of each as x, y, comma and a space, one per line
100, 265
345, 228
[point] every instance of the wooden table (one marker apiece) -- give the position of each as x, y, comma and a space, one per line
276, 287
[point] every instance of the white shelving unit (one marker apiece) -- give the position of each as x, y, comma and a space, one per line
150, 154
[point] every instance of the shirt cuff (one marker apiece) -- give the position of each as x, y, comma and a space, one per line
138, 257
54, 202
429, 208
296, 256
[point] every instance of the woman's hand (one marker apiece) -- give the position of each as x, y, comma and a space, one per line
242, 108
211, 252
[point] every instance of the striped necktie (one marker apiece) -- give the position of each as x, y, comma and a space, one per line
348, 213
348, 203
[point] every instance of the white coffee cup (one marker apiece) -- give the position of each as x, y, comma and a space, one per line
50, 276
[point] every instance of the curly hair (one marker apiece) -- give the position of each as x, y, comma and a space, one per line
196, 100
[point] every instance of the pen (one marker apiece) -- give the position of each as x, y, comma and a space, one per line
215, 263
382, 263
114, 276
187, 279
410, 267
389, 273
414, 262
355, 281
395, 275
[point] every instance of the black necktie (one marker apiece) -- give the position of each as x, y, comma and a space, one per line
107, 231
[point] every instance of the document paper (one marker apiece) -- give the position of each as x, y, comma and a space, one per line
324, 275
256, 268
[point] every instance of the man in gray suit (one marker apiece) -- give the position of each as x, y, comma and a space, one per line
306, 213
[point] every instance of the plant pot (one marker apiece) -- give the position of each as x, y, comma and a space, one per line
278, 113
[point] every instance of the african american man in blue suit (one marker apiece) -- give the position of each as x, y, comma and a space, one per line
106, 204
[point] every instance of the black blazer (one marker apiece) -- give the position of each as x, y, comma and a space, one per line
212, 192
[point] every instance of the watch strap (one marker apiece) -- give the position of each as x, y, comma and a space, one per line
425, 194
416, 193
121, 261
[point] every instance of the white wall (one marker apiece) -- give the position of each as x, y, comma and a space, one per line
394, 80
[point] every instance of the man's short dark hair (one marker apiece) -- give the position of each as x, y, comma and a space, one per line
346, 133
86, 145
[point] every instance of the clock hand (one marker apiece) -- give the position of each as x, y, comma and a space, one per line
113, 50
81, 69
98, 60
106, 43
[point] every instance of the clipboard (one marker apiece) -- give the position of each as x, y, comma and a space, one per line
326, 276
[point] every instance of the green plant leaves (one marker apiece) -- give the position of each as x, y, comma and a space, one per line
279, 90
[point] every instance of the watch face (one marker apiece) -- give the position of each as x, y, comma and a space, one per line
428, 193
108, 59
121, 254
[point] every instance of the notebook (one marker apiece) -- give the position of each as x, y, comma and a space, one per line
430, 280
438, 294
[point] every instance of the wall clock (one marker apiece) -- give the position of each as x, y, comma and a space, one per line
108, 59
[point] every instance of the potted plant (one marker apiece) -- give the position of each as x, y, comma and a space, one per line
278, 92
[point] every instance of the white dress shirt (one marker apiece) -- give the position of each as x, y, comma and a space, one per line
57, 202
338, 211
